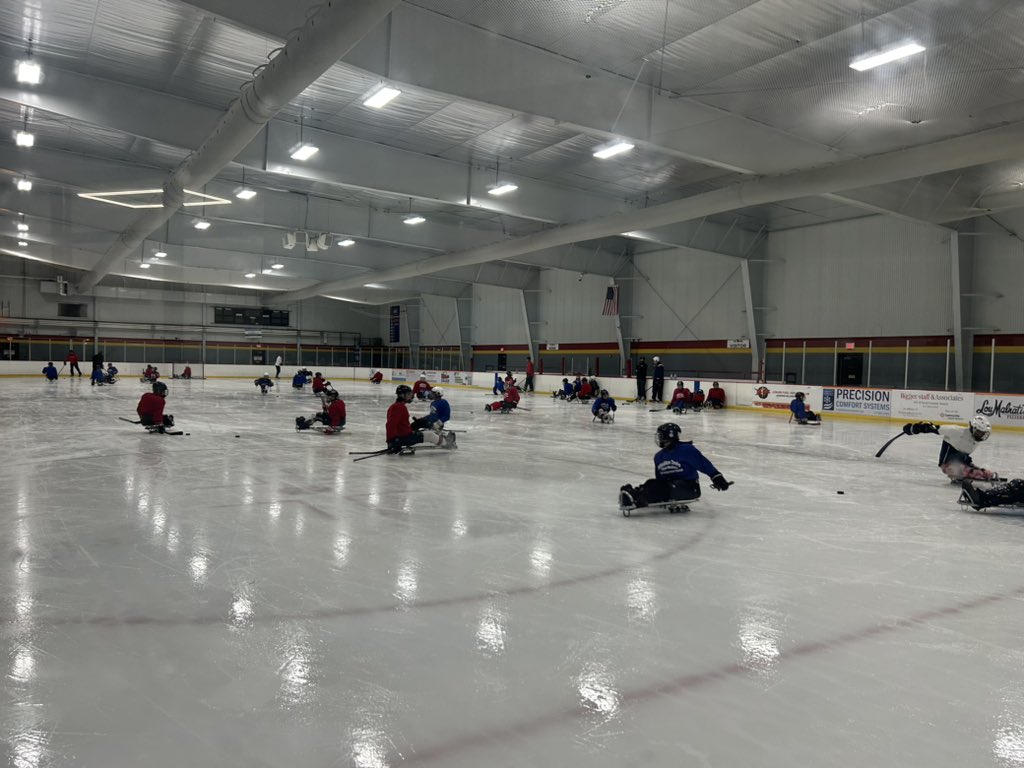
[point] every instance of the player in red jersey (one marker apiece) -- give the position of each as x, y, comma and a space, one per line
151, 408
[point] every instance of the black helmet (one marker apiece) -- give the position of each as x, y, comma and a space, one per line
402, 390
332, 394
159, 388
318, 373
668, 435
604, 393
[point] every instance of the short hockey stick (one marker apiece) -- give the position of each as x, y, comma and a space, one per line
882, 449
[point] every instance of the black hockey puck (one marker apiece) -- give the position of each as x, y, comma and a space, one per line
841, 493
187, 434
237, 435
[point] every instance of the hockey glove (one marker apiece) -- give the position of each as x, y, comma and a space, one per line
719, 483
924, 427
419, 423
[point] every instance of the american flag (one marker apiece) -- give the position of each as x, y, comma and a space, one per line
611, 301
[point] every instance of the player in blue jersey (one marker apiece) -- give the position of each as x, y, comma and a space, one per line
604, 408
801, 412
440, 412
675, 473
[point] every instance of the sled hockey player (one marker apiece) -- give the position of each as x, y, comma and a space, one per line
716, 396
510, 403
187, 373
151, 374
50, 372
97, 377
264, 382
421, 388
681, 398
565, 393
1008, 494
111, 373
657, 380
675, 473
958, 443
586, 391
320, 384
499, 385
399, 431
802, 413
377, 377
151, 409
332, 416
440, 412
698, 400
299, 380
604, 408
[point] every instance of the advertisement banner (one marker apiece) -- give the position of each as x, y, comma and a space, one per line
864, 402
1001, 410
918, 405
737, 344
460, 377
395, 324
778, 396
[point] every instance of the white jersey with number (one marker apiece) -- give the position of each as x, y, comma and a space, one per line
960, 438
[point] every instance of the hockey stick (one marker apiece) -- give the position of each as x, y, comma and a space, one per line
122, 418
882, 449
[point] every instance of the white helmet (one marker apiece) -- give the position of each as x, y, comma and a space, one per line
266, 375
980, 428
657, 359
437, 393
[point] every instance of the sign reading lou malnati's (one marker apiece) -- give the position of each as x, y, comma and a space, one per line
1001, 410
919, 405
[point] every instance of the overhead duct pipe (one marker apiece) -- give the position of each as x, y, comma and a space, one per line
962, 152
326, 37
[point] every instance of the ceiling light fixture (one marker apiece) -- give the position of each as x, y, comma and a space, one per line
160, 255
201, 224
374, 285
23, 243
502, 188
413, 218
22, 226
380, 96
884, 57
250, 275
346, 243
24, 185
612, 149
29, 72
304, 151
109, 197
277, 266
24, 139
245, 193
143, 265
268, 271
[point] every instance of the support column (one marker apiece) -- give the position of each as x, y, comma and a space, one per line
960, 342
748, 298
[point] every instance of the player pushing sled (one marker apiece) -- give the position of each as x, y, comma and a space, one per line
675, 484
958, 443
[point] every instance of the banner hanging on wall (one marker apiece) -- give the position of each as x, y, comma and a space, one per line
1001, 410
778, 396
868, 402
918, 405
395, 324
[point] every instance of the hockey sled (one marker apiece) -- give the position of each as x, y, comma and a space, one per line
672, 506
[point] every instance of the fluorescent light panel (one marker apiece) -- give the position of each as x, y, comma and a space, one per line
304, 151
381, 96
24, 139
268, 271
23, 243
347, 242
502, 189
29, 72
24, 185
250, 275
613, 149
202, 224
143, 265
374, 285
160, 255
884, 57
22, 226
245, 193
110, 197
413, 218
277, 266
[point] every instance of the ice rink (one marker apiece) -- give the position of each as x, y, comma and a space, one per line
261, 600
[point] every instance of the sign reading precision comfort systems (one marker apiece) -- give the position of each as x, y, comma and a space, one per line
871, 402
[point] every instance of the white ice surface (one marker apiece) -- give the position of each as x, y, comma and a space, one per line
264, 601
